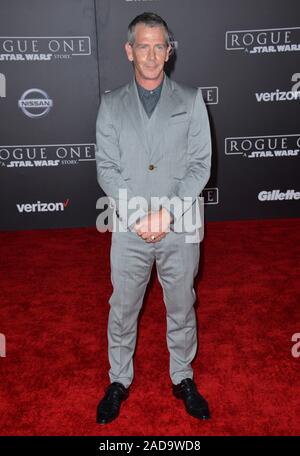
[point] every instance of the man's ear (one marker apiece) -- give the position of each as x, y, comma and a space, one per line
128, 49
169, 52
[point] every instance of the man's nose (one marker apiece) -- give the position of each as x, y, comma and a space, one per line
151, 53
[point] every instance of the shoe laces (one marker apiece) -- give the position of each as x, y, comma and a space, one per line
114, 394
190, 389
188, 385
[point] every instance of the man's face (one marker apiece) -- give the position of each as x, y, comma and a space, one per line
149, 52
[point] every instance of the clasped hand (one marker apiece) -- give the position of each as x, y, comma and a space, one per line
154, 226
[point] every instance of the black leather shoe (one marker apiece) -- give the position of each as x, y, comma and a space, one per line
109, 407
195, 404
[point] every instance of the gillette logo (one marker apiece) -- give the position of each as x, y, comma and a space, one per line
277, 195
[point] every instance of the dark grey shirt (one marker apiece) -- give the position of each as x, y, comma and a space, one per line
149, 98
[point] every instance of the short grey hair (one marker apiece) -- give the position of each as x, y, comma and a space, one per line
150, 20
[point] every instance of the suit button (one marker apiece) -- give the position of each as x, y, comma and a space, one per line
151, 167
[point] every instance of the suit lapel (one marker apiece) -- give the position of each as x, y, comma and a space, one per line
131, 101
166, 105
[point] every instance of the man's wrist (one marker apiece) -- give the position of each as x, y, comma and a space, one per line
167, 213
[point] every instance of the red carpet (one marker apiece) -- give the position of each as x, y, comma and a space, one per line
55, 287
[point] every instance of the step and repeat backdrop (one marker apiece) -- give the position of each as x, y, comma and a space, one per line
57, 57
49, 100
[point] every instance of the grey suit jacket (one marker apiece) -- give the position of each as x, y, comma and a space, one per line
174, 165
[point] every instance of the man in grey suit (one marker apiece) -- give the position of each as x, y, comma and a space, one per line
153, 148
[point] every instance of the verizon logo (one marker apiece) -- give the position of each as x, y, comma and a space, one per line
43, 207
278, 96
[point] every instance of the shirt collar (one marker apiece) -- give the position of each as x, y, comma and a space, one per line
146, 93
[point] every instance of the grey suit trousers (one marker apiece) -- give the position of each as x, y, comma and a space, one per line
131, 264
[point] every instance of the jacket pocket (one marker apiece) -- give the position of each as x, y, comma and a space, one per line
178, 119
